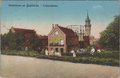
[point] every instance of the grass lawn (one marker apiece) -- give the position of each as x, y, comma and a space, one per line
104, 58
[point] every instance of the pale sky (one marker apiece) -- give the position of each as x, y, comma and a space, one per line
64, 13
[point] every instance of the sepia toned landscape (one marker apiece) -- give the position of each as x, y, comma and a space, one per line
25, 67
59, 39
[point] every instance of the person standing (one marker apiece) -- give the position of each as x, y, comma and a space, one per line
46, 52
73, 52
92, 51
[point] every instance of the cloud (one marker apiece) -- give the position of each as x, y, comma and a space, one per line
97, 6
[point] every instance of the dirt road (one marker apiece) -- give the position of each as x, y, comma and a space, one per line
26, 67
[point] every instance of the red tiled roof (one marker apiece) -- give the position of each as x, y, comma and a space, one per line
68, 32
22, 30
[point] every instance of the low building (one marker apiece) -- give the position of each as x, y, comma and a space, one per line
61, 39
27, 33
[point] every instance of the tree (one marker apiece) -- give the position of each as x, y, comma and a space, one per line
4, 41
16, 41
36, 43
13, 41
110, 36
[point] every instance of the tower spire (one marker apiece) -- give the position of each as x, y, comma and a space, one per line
87, 13
87, 19
87, 25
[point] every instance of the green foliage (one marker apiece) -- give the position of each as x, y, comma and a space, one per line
12, 41
83, 59
106, 54
110, 36
16, 41
35, 42
103, 58
20, 53
55, 39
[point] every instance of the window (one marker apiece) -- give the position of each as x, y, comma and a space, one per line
56, 33
56, 49
61, 50
61, 42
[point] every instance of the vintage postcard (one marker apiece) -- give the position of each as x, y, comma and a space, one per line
59, 38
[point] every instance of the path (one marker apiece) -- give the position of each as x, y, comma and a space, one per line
26, 67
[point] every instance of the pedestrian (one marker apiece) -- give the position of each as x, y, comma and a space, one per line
46, 52
73, 53
26, 48
92, 51
52, 52
98, 50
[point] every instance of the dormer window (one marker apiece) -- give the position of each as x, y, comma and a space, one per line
56, 33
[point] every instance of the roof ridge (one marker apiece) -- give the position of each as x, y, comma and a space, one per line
64, 27
67, 31
23, 28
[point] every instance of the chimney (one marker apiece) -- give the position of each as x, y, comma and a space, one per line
56, 25
52, 25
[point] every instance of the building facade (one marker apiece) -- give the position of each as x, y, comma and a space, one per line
62, 39
83, 32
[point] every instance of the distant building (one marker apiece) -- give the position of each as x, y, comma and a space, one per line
87, 26
92, 40
27, 33
61, 39
83, 32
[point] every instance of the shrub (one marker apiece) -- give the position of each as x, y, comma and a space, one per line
105, 58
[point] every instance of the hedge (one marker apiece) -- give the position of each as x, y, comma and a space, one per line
98, 58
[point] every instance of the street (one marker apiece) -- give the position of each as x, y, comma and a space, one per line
28, 67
